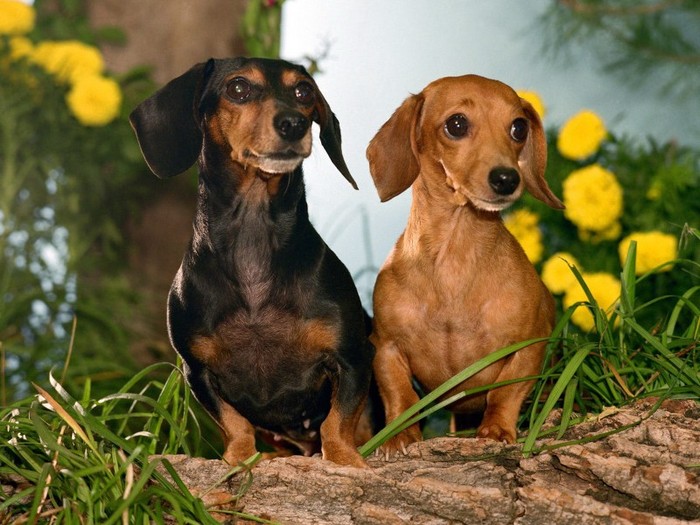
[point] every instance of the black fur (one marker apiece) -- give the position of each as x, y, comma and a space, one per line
255, 268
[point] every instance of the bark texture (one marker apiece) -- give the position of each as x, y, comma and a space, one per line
647, 474
169, 35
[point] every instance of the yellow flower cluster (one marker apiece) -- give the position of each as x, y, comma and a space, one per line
605, 290
68, 60
522, 224
594, 203
93, 99
16, 18
593, 200
654, 248
581, 135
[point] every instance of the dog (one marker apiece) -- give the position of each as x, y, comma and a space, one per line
266, 318
457, 286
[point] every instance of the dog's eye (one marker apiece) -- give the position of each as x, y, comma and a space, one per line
518, 130
457, 126
305, 93
239, 89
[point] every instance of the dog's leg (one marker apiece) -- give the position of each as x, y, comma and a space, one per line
238, 433
338, 429
393, 377
503, 404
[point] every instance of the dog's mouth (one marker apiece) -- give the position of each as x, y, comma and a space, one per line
278, 162
461, 196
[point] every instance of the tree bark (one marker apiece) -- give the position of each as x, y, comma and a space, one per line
647, 474
170, 36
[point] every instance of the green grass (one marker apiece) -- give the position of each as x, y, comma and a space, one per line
75, 459
91, 461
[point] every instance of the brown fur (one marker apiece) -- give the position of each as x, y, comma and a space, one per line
457, 285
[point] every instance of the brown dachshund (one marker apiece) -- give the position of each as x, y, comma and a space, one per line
264, 315
457, 285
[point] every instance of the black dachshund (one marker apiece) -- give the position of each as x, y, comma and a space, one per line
265, 316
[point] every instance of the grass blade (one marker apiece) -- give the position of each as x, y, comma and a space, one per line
559, 387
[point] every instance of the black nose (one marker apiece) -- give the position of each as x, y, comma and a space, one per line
290, 125
504, 181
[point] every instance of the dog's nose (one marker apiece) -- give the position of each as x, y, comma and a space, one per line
504, 181
291, 126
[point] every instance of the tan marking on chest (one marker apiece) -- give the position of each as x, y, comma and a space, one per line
317, 335
205, 349
272, 328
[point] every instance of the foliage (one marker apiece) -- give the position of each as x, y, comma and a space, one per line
68, 160
635, 39
619, 192
261, 28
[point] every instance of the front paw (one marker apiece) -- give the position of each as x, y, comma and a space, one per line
343, 455
496, 431
398, 444
234, 456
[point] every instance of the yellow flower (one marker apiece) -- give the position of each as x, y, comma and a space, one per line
581, 135
94, 100
69, 60
605, 290
16, 18
20, 47
535, 100
556, 274
610, 233
654, 248
522, 224
593, 198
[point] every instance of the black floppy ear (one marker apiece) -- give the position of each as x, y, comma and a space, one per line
166, 124
330, 136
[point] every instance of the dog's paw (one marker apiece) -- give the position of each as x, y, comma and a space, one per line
346, 456
496, 432
398, 444
235, 456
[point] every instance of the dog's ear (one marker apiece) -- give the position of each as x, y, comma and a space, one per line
533, 160
330, 135
166, 124
392, 153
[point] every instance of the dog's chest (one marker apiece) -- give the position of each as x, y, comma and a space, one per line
250, 258
448, 311
270, 365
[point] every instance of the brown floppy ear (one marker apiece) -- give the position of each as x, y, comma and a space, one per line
330, 135
166, 124
533, 160
392, 153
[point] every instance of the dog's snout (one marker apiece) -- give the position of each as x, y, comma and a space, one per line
504, 181
291, 126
